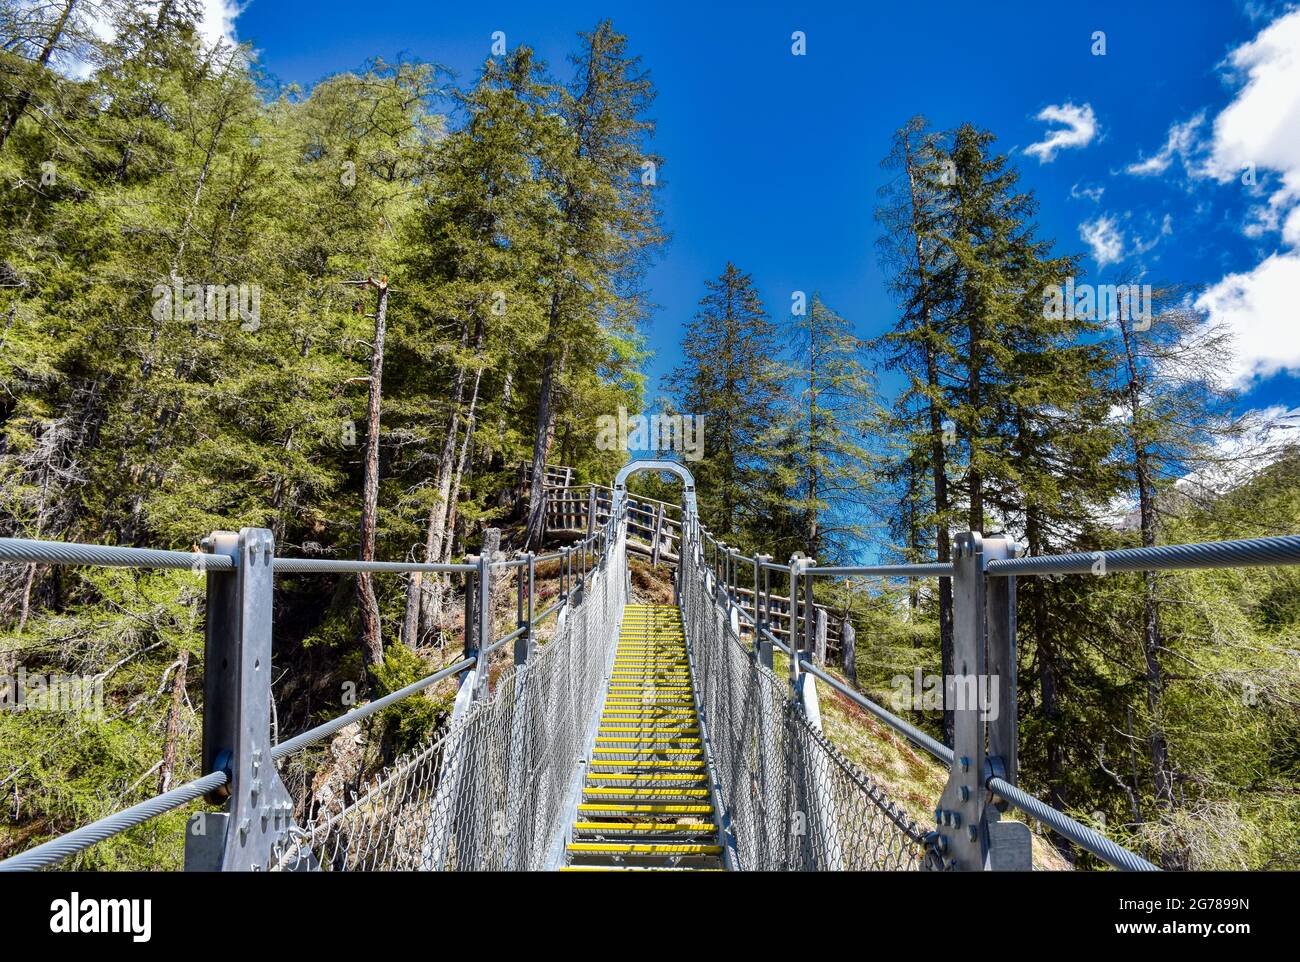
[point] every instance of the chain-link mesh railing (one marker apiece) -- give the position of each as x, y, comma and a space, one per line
793, 800
490, 791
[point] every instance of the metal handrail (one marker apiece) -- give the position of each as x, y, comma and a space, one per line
64, 553
1088, 839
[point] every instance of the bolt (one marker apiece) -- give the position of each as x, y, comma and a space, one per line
965, 764
972, 833
965, 793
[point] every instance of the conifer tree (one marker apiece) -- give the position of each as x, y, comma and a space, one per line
834, 414
731, 378
605, 179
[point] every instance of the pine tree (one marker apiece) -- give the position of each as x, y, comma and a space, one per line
730, 378
915, 212
834, 413
605, 181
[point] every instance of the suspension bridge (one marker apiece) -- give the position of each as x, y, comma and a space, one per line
633, 736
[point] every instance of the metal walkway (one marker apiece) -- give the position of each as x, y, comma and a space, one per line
699, 755
647, 801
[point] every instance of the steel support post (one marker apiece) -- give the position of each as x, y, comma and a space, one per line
237, 716
960, 842
763, 611
1008, 843
797, 563
527, 587
473, 596
969, 835
483, 626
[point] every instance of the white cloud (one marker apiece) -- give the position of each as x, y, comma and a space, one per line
218, 23
1261, 309
1166, 229
1091, 193
1260, 129
1262, 124
1182, 141
1080, 127
1105, 239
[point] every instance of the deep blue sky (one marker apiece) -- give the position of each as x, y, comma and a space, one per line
772, 160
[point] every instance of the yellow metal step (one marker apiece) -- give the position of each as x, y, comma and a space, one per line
613, 828
643, 848
644, 730
662, 809
637, 868
663, 791
693, 777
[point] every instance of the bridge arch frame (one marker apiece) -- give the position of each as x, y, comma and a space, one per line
639, 465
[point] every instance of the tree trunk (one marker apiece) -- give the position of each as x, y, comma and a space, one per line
173, 723
938, 459
421, 608
448, 542
372, 630
812, 431
943, 544
1161, 768
461, 461
544, 432
1048, 674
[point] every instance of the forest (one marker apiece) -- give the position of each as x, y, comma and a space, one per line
366, 315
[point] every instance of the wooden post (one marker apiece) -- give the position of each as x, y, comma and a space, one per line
659, 523
849, 651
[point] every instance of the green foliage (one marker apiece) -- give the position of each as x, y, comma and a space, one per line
146, 398
731, 377
409, 722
